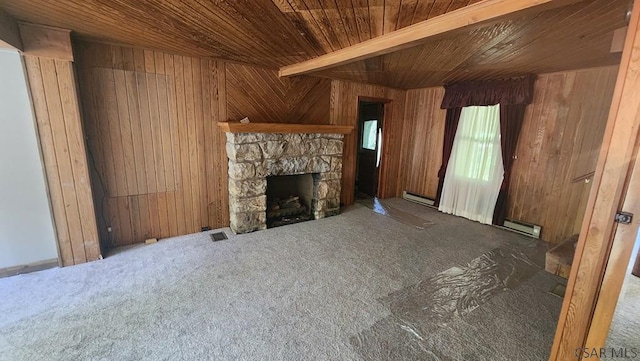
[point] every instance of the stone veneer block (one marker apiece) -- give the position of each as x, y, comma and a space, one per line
242, 222
247, 188
255, 156
250, 205
241, 170
244, 152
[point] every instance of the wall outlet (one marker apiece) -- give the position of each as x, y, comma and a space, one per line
109, 229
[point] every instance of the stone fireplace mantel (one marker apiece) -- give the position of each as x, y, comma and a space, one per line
260, 150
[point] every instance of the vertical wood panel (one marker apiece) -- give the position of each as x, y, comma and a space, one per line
424, 142
140, 150
58, 127
559, 141
45, 133
179, 213
154, 131
53, 91
561, 136
202, 109
264, 97
166, 125
181, 103
209, 133
171, 176
220, 183
78, 156
191, 144
146, 140
129, 171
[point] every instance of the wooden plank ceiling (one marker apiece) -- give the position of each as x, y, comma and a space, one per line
263, 32
572, 37
275, 33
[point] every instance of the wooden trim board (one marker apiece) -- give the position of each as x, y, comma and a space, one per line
46, 41
283, 128
616, 270
28, 268
9, 32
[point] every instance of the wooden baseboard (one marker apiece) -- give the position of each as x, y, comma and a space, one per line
28, 268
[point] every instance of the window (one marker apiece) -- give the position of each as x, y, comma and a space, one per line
369, 134
478, 143
475, 171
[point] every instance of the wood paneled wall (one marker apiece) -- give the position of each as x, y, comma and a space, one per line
53, 92
141, 160
160, 166
344, 111
264, 97
560, 140
422, 139
150, 117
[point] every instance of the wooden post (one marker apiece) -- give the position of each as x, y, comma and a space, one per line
49, 66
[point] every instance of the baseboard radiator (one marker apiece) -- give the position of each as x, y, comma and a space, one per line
527, 229
524, 228
418, 198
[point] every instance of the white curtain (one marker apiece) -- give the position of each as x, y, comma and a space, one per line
475, 171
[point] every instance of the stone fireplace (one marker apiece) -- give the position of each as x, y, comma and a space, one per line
260, 160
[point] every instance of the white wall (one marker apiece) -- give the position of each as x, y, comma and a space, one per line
634, 254
26, 225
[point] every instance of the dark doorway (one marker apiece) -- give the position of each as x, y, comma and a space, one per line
370, 118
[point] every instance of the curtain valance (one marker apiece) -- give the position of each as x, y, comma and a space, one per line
491, 92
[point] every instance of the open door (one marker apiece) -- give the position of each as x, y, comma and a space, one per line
370, 118
616, 268
606, 238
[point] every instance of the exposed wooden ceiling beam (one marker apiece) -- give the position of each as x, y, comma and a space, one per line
9, 33
464, 19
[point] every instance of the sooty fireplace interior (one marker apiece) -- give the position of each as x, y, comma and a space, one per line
289, 199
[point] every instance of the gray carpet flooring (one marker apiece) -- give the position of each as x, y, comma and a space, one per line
348, 287
625, 325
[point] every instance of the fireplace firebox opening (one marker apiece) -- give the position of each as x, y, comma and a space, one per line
257, 159
290, 199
